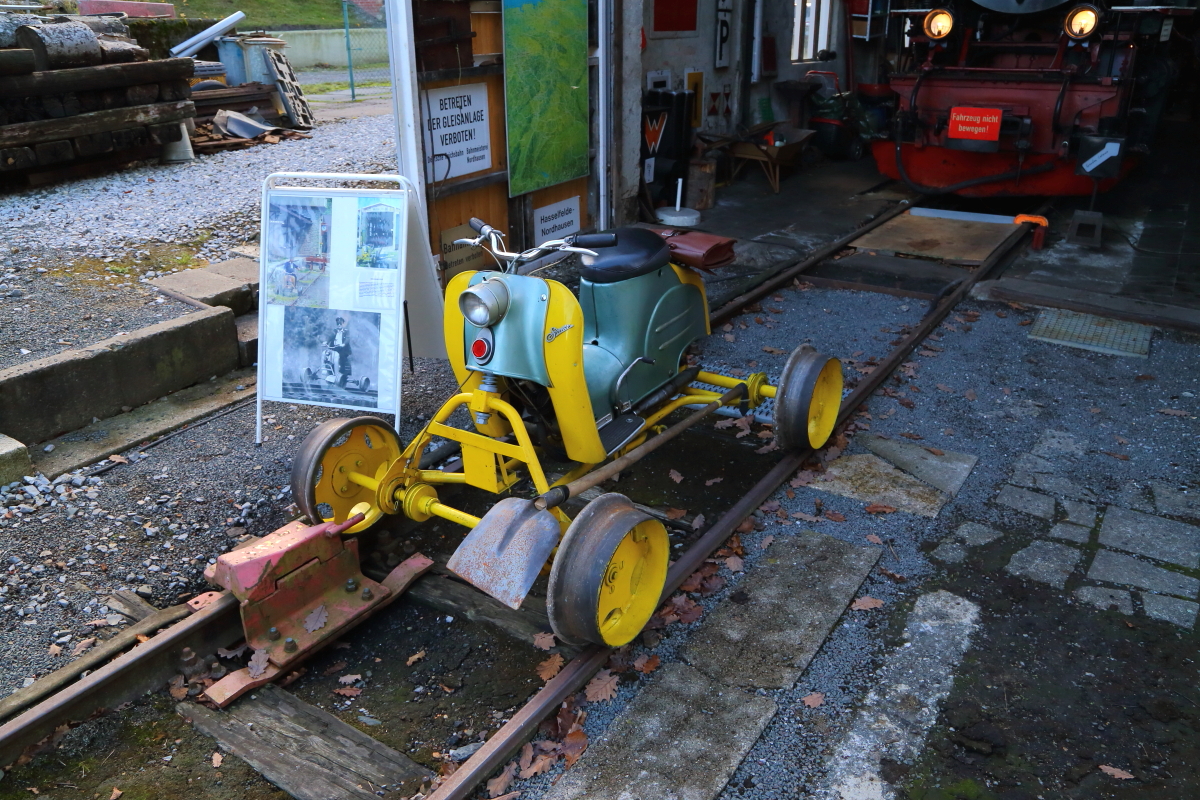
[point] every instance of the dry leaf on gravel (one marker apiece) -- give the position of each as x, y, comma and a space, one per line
543, 640
775, 351
1025, 322
944, 388
913, 436
743, 425
734, 564
887, 573
316, 619
116, 459
970, 394
873, 539
499, 784
936, 451
83, 645
348, 691
806, 517
1117, 456
675, 476
904, 401
1172, 412
1120, 439
550, 667
414, 658
54, 650
865, 603
835, 516
879, 508
676, 513
698, 522
766, 542
646, 664
346, 680
574, 745
729, 337
711, 481
1119, 774
217, 758
542, 763
601, 687
258, 663
333, 668
233, 652
813, 700
116, 793
1143, 377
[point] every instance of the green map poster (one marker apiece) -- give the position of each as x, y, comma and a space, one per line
546, 92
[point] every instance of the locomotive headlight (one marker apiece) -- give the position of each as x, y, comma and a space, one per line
484, 303
1081, 22
938, 23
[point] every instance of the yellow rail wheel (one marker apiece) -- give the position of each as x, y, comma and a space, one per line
337, 472
608, 576
807, 399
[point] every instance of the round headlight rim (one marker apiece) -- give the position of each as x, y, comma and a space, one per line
926, 24
492, 296
1078, 9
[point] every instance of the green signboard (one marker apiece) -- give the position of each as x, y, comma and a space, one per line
546, 92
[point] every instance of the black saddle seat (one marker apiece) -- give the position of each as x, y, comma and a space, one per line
637, 252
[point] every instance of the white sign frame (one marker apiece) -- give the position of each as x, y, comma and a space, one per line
416, 280
436, 167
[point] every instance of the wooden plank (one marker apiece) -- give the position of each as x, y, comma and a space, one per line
905, 267
50, 130
953, 240
865, 286
1103, 305
105, 76
306, 752
16, 62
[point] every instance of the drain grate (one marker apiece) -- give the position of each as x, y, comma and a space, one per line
1089, 332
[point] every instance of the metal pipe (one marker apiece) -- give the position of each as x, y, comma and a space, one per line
195, 44
604, 108
349, 55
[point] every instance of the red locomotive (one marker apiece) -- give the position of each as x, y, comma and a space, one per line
1029, 97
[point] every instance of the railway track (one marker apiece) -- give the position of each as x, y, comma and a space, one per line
212, 620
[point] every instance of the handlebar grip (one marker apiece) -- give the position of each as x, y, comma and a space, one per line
477, 224
596, 240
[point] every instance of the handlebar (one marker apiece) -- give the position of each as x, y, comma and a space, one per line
576, 243
593, 240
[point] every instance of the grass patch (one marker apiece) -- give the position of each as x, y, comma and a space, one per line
271, 15
336, 86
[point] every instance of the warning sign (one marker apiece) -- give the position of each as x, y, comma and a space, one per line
975, 123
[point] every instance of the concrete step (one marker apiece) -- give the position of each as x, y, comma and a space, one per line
247, 333
233, 284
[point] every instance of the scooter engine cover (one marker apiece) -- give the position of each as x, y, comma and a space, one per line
517, 339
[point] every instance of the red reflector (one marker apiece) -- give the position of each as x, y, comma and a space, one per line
479, 348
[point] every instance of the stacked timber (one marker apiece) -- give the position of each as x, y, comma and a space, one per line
78, 88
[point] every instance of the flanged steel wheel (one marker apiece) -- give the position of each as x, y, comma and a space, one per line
608, 575
807, 399
338, 469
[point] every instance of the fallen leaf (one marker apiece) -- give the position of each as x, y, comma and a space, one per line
334, 668
768, 448
936, 451
258, 663
865, 603
711, 481
743, 425
746, 525
1117, 456
879, 508
234, 652
698, 522
725, 423
675, 476
1094, 410
1143, 377
543, 763
1119, 774
601, 687
803, 478
766, 542
646, 664
913, 436
217, 758
316, 619
54, 650
904, 401
888, 573
835, 516
1120, 439
574, 745
543, 640
115, 794
676, 513
806, 517
1172, 412
414, 658
944, 388
346, 680
775, 351
813, 700
1001, 314
348, 691
1025, 322
499, 784
970, 394
729, 337
927, 353
118, 460
734, 564
873, 539
83, 645
550, 667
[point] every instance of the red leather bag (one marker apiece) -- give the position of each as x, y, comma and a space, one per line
705, 251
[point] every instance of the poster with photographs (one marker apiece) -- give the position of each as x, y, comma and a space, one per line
336, 267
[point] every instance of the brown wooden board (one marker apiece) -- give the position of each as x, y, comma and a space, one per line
307, 752
51, 130
86, 79
953, 240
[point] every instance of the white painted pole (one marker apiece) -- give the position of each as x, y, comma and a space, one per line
603, 118
402, 58
678, 193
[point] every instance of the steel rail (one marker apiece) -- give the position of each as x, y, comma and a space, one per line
579, 670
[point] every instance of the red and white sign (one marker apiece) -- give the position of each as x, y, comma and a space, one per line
975, 123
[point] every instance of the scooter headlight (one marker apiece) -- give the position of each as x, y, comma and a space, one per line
484, 303
938, 23
1081, 22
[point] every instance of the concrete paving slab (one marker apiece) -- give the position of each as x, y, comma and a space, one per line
14, 460
1171, 609
950, 552
1104, 598
681, 737
1059, 486
209, 288
1028, 462
1057, 443
898, 713
1113, 567
945, 472
795, 600
1174, 500
1135, 495
1148, 535
869, 478
1079, 513
1072, 533
1038, 505
243, 270
973, 534
1045, 562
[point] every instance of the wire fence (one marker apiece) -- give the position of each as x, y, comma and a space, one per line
365, 31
